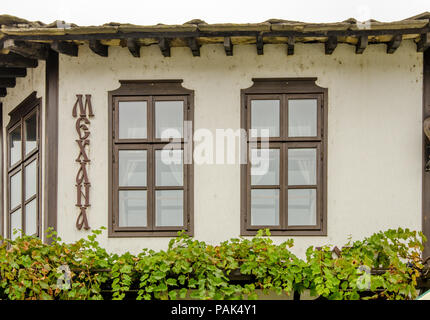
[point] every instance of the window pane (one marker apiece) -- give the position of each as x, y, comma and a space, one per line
30, 180
132, 168
265, 207
30, 133
132, 120
168, 168
265, 114
15, 223
265, 166
302, 169
169, 119
302, 207
15, 190
169, 208
132, 208
31, 218
302, 118
15, 145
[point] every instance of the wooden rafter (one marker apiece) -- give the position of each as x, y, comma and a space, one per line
194, 46
12, 72
98, 48
65, 47
228, 46
424, 42
394, 43
134, 47
361, 44
164, 45
15, 60
32, 50
7, 82
290, 45
330, 44
260, 44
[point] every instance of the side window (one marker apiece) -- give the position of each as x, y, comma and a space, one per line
23, 178
151, 183
284, 180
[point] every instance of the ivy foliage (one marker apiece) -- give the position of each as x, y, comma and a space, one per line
192, 269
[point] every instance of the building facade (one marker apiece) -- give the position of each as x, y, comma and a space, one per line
86, 111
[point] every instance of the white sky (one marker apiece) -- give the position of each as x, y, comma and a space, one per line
147, 12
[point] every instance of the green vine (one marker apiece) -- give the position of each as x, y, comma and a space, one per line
386, 265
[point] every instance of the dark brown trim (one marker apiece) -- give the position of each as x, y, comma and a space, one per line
426, 154
285, 89
51, 139
149, 91
2, 202
27, 108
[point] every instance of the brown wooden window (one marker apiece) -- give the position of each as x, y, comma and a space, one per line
151, 185
23, 178
284, 178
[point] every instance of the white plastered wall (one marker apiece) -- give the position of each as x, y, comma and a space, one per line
34, 81
374, 133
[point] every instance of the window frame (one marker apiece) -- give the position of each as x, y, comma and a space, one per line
151, 91
26, 109
285, 89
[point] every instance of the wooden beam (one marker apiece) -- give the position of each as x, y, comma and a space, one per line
64, 47
98, 48
31, 50
134, 47
290, 45
425, 194
260, 44
228, 46
51, 141
7, 82
3, 93
164, 45
330, 44
361, 44
423, 44
394, 43
194, 46
12, 72
15, 60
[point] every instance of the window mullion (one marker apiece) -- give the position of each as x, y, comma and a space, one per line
284, 185
150, 185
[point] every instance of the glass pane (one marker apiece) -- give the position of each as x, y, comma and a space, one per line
302, 207
265, 207
15, 190
31, 218
132, 208
265, 166
169, 119
302, 168
132, 120
302, 118
265, 114
15, 223
30, 180
168, 168
132, 168
15, 145
169, 208
30, 133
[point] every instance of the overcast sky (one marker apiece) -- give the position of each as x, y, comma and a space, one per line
147, 12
